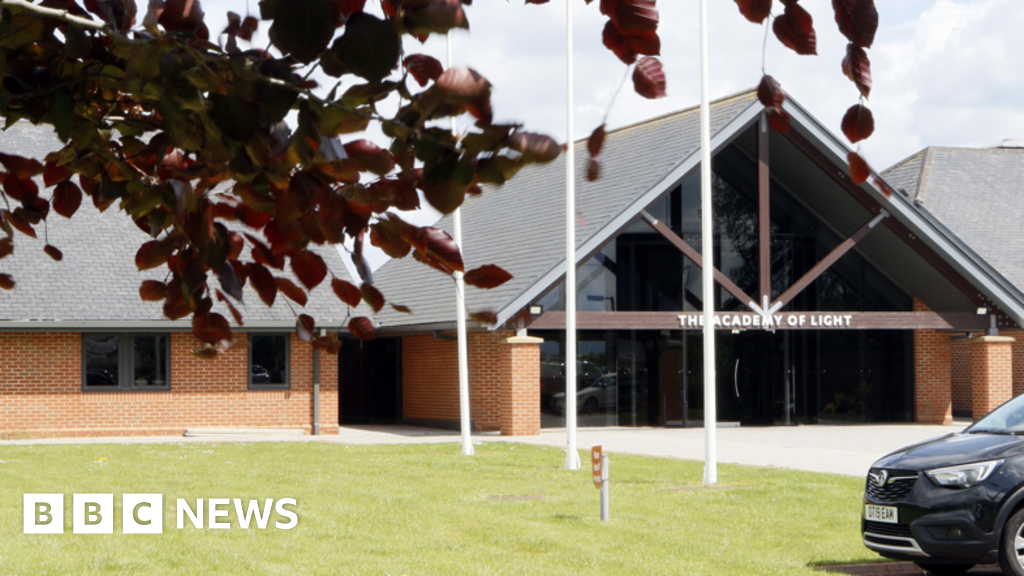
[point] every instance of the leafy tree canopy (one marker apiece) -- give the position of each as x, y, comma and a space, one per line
185, 133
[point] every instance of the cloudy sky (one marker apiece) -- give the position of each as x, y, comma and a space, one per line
943, 70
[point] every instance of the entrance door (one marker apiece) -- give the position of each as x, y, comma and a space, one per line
369, 381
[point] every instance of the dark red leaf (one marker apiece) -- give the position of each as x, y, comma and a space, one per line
375, 158
372, 296
618, 44
309, 267
858, 123
631, 14
487, 276
293, 292
400, 308
252, 218
770, 93
67, 197
53, 252
755, 10
361, 328
19, 223
211, 327
369, 48
327, 344
534, 147
22, 168
593, 170
152, 290
423, 68
55, 174
305, 327
462, 85
7, 282
264, 255
857, 68
183, 15
205, 352
304, 28
248, 28
649, 78
779, 120
859, 169
795, 29
221, 297
229, 280
484, 317
154, 253
263, 281
348, 7
857, 20
439, 246
175, 306
596, 141
346, 292
6, 247
18, 188
884, 187
434, 17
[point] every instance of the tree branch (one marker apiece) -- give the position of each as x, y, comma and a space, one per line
65, 16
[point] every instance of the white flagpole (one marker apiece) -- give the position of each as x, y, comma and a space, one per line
707, 249
460, 306
572, 456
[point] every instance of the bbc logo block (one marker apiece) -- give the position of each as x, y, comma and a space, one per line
94, 513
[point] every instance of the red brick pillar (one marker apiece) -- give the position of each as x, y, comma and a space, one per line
933, 376
992, 371
520, 397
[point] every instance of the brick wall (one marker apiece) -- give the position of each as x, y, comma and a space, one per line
933, 400
41, 392
992, 373
520, 408
960, 366
430, 379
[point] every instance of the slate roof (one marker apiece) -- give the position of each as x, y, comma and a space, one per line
976, 194
521, 226
97, 282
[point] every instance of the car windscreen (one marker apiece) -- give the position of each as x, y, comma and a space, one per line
1007, 418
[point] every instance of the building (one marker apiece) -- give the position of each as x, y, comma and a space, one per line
893, 301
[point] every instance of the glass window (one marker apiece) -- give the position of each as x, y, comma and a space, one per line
268, 361
126, 362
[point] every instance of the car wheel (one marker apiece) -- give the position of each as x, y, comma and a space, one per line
1011, 545
590, 405
944, 569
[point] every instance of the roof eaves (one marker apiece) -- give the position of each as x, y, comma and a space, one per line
938, 238
720, 139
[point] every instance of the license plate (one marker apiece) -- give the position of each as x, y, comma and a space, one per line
885, 514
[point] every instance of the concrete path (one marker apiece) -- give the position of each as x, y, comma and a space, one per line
848, 450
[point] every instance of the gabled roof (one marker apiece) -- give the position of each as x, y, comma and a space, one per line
521, 226
96, 285
976, 194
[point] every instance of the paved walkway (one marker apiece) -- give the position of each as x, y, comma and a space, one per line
848, 450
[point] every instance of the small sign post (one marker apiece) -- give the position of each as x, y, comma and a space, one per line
599, 464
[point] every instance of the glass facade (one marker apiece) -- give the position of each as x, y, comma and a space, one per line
649, 377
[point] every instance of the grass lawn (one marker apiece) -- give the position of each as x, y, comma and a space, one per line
425, 509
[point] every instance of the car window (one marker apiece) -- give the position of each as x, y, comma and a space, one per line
1008, 417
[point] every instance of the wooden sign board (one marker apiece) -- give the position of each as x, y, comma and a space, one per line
595, 463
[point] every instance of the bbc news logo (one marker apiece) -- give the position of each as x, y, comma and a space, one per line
144, 513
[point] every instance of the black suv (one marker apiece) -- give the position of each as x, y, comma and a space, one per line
955, 501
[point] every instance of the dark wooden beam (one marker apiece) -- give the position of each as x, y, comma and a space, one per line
955, 321
692, 254
923, 250
764, 246
826, 262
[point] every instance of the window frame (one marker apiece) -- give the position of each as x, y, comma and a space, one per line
126, 363
287, 385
